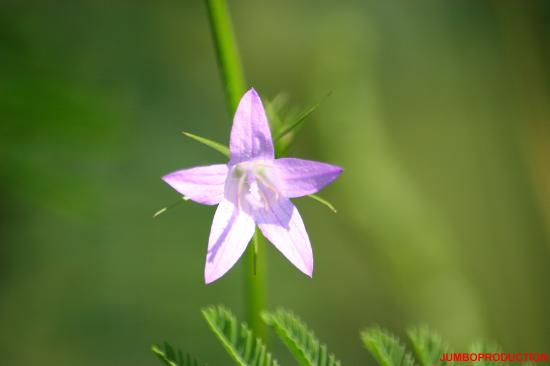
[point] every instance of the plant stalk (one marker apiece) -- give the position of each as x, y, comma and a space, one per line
229, 60
254, 285
231, 71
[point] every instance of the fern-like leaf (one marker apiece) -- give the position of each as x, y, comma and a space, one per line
301, 342
428, 346
171, 357
386, 348
485, 347
239, 342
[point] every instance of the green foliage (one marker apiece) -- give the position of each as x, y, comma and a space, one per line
210, 143
301, 341
386, 348
247, 350
428, 346
275, 110
239, 342
484, 347
300, 119
171, 357
286, 122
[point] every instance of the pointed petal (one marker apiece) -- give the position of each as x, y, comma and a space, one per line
250, 134
282, 225
203, 184
231, 231
299, 177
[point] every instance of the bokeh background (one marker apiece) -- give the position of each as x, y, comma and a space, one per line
440, 114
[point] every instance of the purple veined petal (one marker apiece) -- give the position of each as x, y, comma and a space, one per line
204, 184
250, 134
297, 177
231, 231
282, 225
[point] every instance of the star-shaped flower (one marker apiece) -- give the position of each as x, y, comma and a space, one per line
253, 188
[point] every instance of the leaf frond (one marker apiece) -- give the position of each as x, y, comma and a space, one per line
428, 346
300, 341
238, 341
485, 347
386, 348
172, 357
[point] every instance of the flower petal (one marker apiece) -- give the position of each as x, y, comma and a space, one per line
231, 231
282, 225
299, 177
250, 134
204, 184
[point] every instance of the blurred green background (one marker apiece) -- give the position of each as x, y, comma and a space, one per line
440, 114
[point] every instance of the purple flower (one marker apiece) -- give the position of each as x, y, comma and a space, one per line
253, 188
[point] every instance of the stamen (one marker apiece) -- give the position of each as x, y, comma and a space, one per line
268, 185
252, 179
264, 198
239, 191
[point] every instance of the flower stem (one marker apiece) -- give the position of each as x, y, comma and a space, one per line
231, 70
229, 61
254, 267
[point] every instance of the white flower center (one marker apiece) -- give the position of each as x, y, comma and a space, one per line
252, 185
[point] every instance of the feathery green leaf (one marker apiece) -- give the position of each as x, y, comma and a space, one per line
301, 341
212, 144
428, 346
170, 357
485, 347
239, 342
386, 348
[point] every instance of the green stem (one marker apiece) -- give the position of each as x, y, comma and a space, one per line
254, 267
227, 53
231, 70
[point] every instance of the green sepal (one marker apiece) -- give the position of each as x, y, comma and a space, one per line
210, 143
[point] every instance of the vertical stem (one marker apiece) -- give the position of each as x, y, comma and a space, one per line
231, 70
229, 61
254, 272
